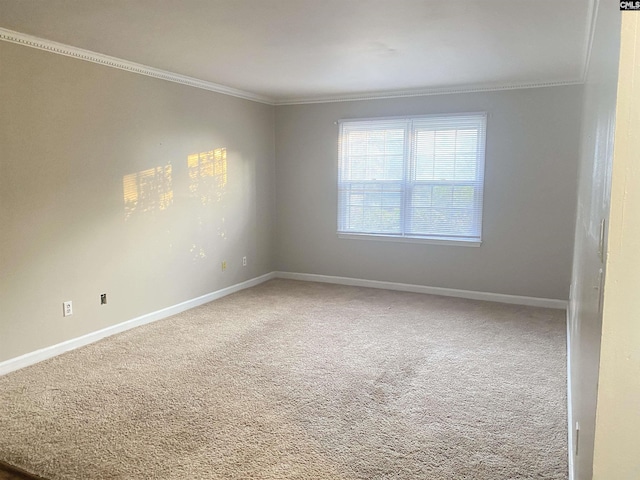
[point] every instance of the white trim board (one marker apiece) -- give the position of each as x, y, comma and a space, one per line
43, 354
423, 92
122, 64
570, 425
113, 62
446, 292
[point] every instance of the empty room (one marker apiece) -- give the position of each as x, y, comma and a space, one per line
319, 239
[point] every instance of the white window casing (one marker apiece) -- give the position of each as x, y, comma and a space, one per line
412, 179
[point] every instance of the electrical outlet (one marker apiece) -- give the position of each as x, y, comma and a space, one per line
224, 265
103, 299
244, 261
67, 309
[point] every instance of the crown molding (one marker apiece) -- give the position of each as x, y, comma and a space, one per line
106, 60
426, 92
113, 62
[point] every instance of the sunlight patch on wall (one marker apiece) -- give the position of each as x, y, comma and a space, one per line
208, 187
147, 191
208, 175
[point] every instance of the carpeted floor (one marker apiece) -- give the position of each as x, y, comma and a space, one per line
296, 380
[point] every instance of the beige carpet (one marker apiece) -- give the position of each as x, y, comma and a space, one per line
307, 381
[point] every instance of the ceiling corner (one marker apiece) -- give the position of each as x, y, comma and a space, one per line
592, 17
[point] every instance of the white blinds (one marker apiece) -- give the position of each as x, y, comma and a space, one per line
419, 177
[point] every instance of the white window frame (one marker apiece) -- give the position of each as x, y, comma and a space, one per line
407, 183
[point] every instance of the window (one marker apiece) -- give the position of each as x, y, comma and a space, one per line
412, 178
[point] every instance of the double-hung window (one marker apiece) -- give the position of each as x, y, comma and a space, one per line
412, 178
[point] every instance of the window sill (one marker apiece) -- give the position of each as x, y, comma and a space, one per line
391, 238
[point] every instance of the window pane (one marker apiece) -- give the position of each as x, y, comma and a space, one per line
395, 142
356, 218
461, 222
466, 151
445, 153
375, 168
357, 143
430, 188
374, 154
463, 197
442, 196
373, 208
427, 220
422, 196
425, 155
394, 167
447, 222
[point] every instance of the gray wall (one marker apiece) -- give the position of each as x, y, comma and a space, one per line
529, 202
71, 132
596, 155
75, 131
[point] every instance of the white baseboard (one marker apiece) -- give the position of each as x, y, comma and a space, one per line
446, 292
43, 354
570, 424
39, 355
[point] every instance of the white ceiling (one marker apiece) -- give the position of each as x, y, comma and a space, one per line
289, 51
